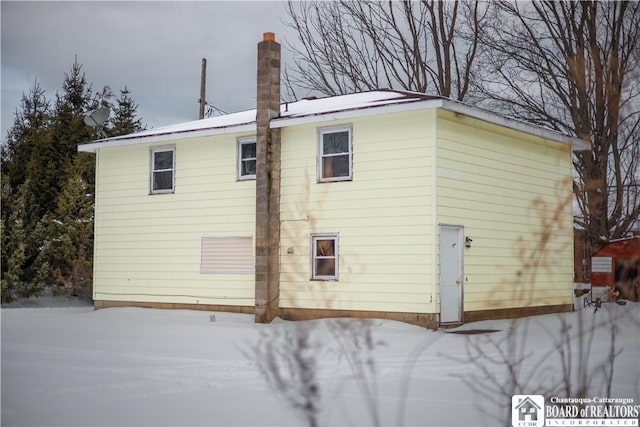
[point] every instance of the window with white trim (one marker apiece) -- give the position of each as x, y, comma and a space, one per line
247, 158
324, 257
335, 157
163, 165
226, 254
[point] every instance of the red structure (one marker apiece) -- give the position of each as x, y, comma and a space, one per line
617, 265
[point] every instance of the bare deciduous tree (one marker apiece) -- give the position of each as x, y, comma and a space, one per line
346, 46
287, 358
573, 67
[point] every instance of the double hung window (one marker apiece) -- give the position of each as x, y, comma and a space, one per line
246, 158
163, 165
335, 157
324, 256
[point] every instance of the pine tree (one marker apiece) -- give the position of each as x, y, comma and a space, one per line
69, 249
28, 132
69, 128
13, 246
124, 119
26, 141
47, 186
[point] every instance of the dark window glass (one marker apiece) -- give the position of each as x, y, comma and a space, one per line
162, 160
247, 159
249, 151
335, 166
162, 180
248, 167
335, 143
326, 267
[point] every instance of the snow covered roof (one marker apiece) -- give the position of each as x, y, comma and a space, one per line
316, 110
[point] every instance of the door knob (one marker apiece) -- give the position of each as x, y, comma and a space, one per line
458, 282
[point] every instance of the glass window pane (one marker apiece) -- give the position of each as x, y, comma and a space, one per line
162, 160
336, 142
248, 167
248, 151
326, 267
162, 180
335, 166
325, 247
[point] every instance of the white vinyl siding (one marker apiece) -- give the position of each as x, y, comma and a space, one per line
512, 193
226, 254
335, 159
383, 217
147, 249
247, 158
162, 173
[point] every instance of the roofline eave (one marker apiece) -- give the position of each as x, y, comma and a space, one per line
577, 144
132, 139
352, 113
414, 104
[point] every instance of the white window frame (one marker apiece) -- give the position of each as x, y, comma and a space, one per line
240, 142
152, 152
336, 245
320, 164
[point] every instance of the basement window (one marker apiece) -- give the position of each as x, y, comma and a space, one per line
226, 254
247, 158
324, 254
163, 165
334, 154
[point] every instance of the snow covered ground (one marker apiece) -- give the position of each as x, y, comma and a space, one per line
74, 366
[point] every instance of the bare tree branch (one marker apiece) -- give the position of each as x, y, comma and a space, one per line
573, 67
347, 46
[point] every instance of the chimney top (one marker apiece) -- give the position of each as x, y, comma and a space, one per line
271, 37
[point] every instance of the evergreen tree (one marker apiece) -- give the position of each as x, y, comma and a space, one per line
124, 119
68, 127
68, 251
13, 245
47, 186
29, 132
22, 200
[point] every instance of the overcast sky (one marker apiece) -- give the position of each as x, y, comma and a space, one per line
154, 48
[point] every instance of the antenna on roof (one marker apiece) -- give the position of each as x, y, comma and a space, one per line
96, 118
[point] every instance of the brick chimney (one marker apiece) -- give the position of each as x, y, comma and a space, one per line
267, 181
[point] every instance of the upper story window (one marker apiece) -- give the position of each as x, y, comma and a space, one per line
163, 166
335, 157
247, 158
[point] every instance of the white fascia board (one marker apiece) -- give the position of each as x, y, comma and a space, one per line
164, 137
355, 113
576, 144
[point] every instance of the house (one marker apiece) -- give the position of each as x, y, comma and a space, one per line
381, 204
583, 251
528, 410
616, 265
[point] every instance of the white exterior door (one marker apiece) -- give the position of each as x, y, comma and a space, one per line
451, 273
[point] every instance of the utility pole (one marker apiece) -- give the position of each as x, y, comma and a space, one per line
203, 86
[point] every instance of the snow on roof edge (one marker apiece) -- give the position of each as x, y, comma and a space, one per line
305, 110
